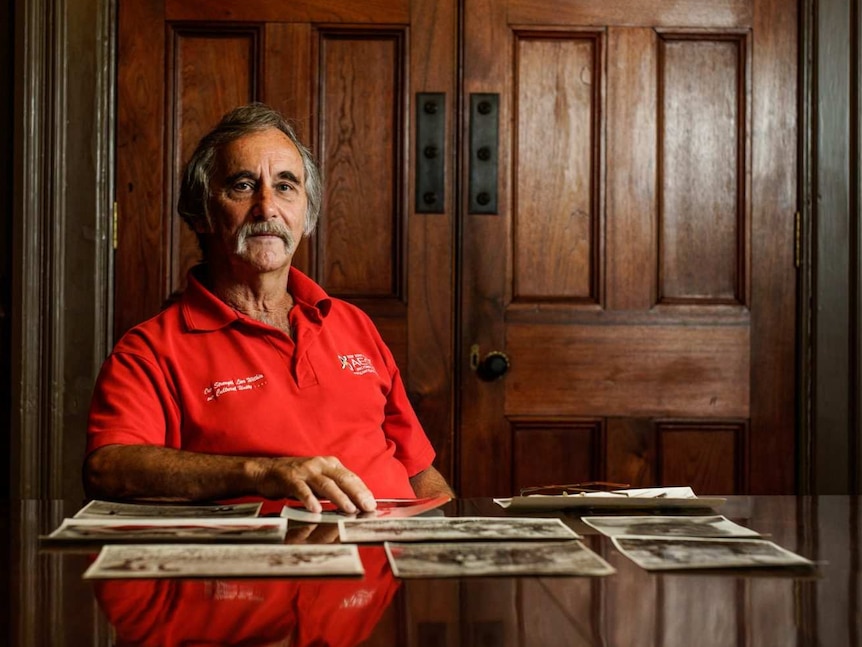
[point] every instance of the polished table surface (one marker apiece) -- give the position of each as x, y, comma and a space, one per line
50, 604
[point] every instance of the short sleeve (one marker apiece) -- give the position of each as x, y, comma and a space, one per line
132, 404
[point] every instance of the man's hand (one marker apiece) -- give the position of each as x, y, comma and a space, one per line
306, 479
158, 473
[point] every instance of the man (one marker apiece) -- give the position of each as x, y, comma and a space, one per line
255, 383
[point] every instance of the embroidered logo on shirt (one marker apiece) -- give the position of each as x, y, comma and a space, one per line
358, 364
220, 388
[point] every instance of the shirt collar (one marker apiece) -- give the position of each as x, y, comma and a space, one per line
203, 311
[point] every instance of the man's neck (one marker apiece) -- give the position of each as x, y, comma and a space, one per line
261, 296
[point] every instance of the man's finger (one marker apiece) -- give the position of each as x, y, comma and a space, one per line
306, 496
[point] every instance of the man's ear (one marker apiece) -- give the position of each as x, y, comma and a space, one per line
202, 225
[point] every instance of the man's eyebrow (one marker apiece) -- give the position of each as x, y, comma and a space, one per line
239, 175
289, 175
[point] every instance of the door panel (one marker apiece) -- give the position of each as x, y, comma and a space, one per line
619, 271
345, 73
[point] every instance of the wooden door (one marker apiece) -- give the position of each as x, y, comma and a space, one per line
638, 269
347, 74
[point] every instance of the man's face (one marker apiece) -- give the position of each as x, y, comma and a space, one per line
258, 204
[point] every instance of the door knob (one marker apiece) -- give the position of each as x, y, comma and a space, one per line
492, 367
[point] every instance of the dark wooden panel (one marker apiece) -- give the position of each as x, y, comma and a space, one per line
140, 234
211, 72
653, 13
394, 11
431, 613
635, 370
547, 608
632, 269
429, 263
717, 599
361, 150
632, 610
709, 457
289, 89
835, 249
489, 616
556, 215
702, 172
773, 290
630, 451
555, 452
484, 275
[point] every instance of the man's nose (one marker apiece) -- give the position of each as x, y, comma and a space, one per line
264, 205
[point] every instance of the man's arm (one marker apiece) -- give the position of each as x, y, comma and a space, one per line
152, 472
430, 482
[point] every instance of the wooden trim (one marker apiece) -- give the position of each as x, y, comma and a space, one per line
36, 96
62, 188
835, 257
856, 242
807, 194
774, 191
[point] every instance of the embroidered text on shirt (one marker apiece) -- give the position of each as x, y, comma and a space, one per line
221, 387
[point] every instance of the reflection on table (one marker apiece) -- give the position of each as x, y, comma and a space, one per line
52, 605
337, 612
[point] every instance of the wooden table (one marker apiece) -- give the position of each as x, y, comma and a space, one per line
49, 603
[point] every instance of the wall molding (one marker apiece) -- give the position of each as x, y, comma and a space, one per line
62, 187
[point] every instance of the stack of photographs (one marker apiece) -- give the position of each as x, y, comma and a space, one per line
477, 546
395, 508
187, 541
113, 509
256, 530
707, 542
108, 521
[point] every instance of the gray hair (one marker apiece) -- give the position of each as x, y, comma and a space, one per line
239, 122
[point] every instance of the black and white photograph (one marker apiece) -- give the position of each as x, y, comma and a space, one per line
464, 559
114, 509
263, 530
679, 526
453, 529
389, 508
657, 554
203, 560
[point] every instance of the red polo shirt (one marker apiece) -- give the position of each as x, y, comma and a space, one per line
203, 377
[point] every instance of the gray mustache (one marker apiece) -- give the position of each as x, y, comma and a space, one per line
264, 228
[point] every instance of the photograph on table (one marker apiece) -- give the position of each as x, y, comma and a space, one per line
453, 529
262, 530
112, 509
204, 560
672, 526
656, 553
462, 559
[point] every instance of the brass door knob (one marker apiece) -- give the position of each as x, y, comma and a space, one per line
492, 367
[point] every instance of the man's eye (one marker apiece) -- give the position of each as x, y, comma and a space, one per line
243, 186
285, 187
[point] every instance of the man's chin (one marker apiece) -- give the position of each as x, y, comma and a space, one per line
264, 260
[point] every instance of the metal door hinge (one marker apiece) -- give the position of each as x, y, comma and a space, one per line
114, 227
